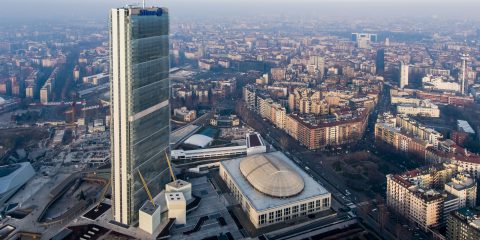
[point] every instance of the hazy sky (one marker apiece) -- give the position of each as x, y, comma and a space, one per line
39, 10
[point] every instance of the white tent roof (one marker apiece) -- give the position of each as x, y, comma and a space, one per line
199, 140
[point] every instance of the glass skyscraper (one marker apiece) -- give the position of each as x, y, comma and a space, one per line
140, 113
380, 61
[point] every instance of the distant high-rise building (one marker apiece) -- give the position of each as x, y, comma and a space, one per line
354, 37
380, 61
363, 40
464, 73
403, 74
30, 91
46, 92
140, 114
387, 42
319, 63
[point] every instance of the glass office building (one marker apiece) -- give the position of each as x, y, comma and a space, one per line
140, 113
380, 61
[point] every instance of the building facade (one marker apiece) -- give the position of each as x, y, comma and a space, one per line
403, 75
425, 108
406, 135
140, 122
428, 195
184, 115
380, 61
463, 224
316, 133
271, 189
465, 188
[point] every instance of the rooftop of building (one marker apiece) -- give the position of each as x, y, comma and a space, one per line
271, 176
312, 121
461, 182
410, 180
430, 195
179, 183
457, 154
469, 215
13, 176
199, 140
467, 212
276, 162
465, 127
254, 140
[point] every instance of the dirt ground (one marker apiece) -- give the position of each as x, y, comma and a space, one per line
20, 138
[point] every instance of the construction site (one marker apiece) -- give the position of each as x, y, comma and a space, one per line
69, 198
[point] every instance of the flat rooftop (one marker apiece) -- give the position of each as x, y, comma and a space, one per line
254, 140
464, 126
263, 202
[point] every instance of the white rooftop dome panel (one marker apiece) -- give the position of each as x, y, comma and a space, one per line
199, 140
271, 176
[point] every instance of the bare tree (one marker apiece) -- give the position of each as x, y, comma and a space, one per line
382, 216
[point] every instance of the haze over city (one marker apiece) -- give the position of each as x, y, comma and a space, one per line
95, 10
240, 119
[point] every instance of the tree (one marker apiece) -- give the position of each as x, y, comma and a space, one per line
382, 216
398, 230
284, 141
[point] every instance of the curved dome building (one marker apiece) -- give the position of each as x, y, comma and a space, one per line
271, 176
13, 177
272, 189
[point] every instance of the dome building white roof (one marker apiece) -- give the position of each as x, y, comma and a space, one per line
271, 176
259, 192
271, 188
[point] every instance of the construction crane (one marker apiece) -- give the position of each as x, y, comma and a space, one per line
146, 188
170, 167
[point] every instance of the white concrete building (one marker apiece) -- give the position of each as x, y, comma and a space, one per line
150, 216
440, 83
423, 207
96, 79
272, 189
185, 115
426, 108
403, 74
177, 207
465, 188
46, 92
254, 145
180, 186
199, 141
405, 100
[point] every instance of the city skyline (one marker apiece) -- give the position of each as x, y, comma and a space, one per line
349, 119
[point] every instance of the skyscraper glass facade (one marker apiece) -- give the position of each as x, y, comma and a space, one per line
140, 109
380, 61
